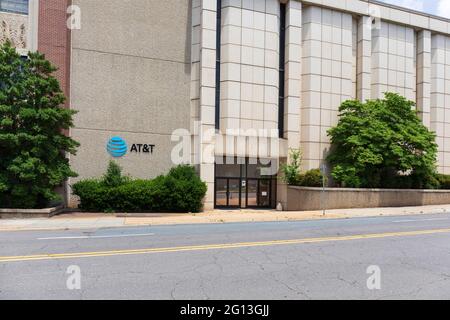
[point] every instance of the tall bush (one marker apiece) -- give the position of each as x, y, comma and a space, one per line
382, 143
33, 145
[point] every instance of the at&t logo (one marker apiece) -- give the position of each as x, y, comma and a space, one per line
117, 147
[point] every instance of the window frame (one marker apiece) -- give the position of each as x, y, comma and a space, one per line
15, 6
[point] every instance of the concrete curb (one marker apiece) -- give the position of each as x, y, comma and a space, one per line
214, 217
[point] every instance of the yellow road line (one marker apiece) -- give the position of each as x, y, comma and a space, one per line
54, 256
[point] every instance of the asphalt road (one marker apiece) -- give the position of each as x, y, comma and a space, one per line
328, 259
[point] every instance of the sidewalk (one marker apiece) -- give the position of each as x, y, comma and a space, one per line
93, 221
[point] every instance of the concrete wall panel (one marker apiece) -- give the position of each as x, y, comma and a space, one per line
305, 199
131, 74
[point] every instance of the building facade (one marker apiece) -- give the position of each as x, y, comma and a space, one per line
229, 85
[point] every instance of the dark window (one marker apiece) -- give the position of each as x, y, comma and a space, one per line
235, 167
15, 6
218, 58
282, 71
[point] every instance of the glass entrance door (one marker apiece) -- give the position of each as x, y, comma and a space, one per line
265, 193
227, 193
242, 185
259, 193
252, 193
221, 194
234, 193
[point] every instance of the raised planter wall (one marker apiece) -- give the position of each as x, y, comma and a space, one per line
305, 198
29, 213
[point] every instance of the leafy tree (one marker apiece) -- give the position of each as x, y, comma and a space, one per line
382, 143
33, 146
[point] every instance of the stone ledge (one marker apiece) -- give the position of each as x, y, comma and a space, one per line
370, 190
306, 198
29, 213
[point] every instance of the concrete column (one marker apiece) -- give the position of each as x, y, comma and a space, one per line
311, 106
293, 73
438, 108
364, 58
326, 78
195, 79
424, 76
207, 86
33, 24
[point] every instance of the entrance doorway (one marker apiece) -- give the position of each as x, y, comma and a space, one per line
244, 184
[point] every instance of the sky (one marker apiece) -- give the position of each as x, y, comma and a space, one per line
436, 7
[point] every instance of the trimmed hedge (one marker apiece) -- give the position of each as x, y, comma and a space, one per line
311, 178
444, 181
181, 190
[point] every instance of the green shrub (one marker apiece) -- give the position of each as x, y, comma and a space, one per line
291, 170
345, 176
93, 195
312, 178
185, 189
444, 181
398, 182
113, 176
181, 190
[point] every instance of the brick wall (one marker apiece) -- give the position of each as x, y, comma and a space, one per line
54, 39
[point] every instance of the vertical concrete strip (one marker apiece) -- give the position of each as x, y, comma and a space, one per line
424, 76
364, 58
208, 32
33, 22
293, 73
195, 79
438, 122
311, 85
